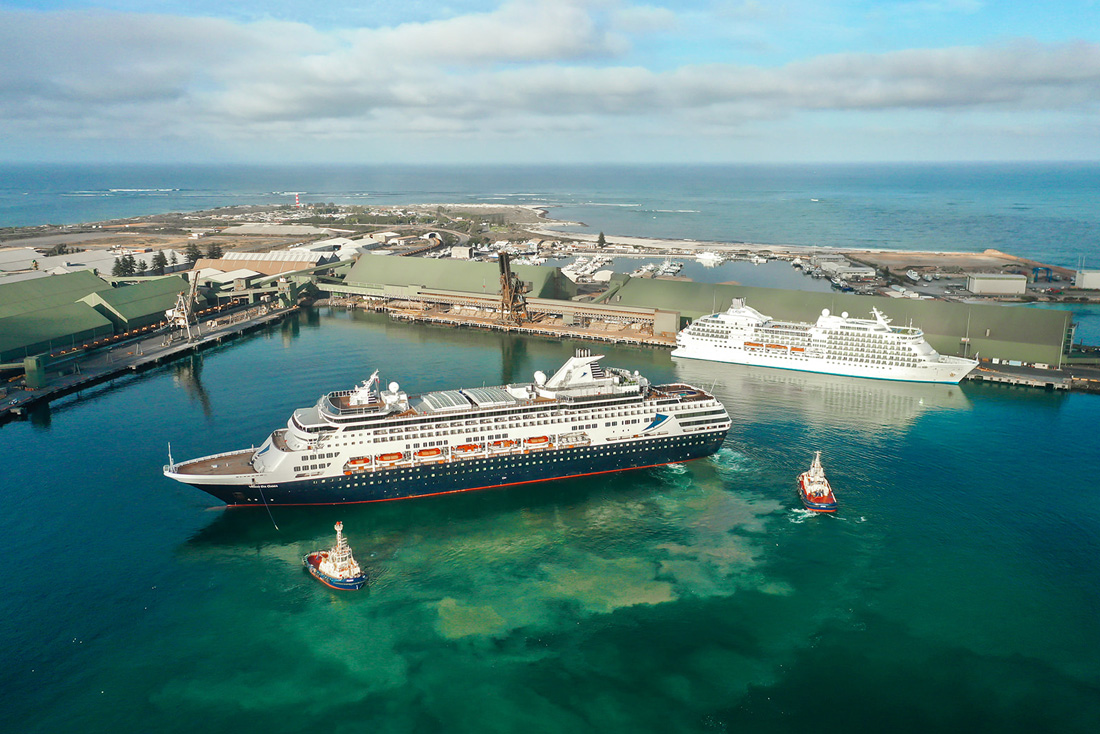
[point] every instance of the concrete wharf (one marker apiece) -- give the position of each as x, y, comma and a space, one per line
1076, 378
1056, 381
554, 331
138, 355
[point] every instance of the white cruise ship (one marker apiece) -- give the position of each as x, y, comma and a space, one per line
367, 444
836, 345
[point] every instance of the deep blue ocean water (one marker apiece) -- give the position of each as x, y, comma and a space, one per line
1046, 211
956, 590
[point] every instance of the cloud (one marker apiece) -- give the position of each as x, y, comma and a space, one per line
527, 67
644, 19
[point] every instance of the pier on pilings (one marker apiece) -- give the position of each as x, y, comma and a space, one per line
137, 356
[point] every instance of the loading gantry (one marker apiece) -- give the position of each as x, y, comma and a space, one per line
513, 306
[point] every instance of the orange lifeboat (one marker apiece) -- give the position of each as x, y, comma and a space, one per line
468, 447
390, 458
798, 349
359, 461
753, 345
777, 346
428, 453
504, 444
538, 440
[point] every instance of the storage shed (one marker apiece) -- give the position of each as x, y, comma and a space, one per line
999, 284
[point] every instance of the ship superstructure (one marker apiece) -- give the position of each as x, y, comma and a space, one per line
836, 345
370, 444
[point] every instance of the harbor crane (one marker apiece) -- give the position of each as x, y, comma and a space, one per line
184, 311
513, 306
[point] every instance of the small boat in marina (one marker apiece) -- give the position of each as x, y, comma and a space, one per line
336, 567
814, 488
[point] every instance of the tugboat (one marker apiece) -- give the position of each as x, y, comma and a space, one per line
814, 488
336, 568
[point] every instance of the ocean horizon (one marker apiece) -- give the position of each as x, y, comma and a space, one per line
1046, 211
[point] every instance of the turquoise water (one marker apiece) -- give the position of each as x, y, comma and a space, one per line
956, 590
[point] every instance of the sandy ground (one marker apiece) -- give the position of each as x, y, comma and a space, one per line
513, 213
179, 242
952, 262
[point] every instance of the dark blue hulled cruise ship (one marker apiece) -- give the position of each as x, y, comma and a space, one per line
369, 444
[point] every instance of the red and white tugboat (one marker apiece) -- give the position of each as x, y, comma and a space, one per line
814, 488
336, 568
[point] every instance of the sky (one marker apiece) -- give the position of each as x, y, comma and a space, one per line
549, 81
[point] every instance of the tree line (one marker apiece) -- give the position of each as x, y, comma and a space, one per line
130, 265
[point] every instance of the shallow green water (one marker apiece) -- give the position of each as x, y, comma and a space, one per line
957, 589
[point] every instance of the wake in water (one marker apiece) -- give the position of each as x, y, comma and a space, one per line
728, 460
800, 515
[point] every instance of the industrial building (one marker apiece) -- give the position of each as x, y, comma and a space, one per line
472, 290
134, 306
1087, 279
275, 262
996, 284
65, 311
389, 277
